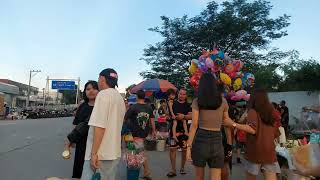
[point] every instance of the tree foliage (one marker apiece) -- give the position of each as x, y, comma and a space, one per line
301, 75
128, 90
69, 96
239, 27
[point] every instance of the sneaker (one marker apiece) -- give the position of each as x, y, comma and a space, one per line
179, 149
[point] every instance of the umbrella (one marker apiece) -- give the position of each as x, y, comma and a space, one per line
154, 85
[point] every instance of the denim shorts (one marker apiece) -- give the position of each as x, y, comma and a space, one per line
254, 169
108, 170
207, 148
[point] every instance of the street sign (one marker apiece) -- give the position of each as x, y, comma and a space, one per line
63, 85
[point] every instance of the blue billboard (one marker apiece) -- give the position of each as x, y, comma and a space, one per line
63, 85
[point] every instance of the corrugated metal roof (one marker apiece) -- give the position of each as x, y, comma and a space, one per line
8, 88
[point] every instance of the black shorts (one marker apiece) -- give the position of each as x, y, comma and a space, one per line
207, 148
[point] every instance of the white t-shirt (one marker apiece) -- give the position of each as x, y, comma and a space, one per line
108, 112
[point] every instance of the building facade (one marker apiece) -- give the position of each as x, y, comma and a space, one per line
16, 93
9, 94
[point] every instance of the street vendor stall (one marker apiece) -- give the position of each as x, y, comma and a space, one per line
303, 147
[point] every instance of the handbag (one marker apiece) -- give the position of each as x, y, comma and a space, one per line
79, 132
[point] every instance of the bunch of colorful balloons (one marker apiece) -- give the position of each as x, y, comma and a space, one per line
226, 69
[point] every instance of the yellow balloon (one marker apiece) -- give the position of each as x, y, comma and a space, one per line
237, 84
193, 68
225, 79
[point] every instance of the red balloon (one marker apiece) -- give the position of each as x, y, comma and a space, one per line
233, 75
194, 81
198, 73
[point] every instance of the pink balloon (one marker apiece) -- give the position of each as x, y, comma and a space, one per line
233, 75
238, 64
209, 63
235, 98
230, 95
241, 94
247, 97
214, 51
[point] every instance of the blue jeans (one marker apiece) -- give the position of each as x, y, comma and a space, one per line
108, 170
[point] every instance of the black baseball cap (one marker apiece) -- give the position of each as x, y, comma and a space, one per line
111, 76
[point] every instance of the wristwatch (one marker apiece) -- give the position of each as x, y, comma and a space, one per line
189, 146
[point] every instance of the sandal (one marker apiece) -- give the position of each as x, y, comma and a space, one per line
171, 174
146, 178
182, 172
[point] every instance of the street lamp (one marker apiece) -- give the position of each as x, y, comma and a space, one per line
28, 97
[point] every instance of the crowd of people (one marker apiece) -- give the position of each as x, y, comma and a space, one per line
204, 130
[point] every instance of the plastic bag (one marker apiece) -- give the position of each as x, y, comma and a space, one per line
96, 175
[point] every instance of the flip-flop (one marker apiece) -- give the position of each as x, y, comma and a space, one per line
146, 178
182, 172
171, 174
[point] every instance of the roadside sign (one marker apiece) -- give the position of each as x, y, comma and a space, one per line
63, 85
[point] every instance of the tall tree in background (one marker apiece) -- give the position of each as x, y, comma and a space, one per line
301, 75
69, 96
239, 27
128, 90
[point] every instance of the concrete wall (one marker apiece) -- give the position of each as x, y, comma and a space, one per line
295, 101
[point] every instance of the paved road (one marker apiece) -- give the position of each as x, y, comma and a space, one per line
31, 150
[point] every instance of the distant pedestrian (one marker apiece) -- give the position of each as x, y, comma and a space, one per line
103, 150
284, 116
6, 111
240, 135
162, 109
277, 117
180, 114
139, 118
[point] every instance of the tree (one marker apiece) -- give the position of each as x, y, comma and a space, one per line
301, 75
269, 69
69, 96
239, 27
128, 90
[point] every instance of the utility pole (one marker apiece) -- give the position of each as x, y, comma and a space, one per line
78, 88
28, 97
44, 97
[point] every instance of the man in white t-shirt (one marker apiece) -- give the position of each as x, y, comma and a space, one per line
103, 149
